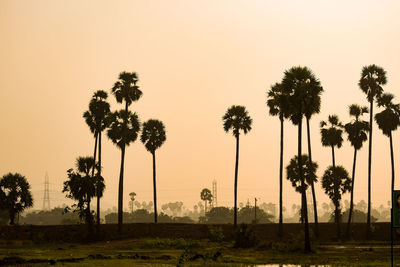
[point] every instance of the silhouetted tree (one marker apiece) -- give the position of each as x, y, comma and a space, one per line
81, 186
331, 135
278, 104
15, 195
132, 196
153, 137
95, 118
371, 81
301, 183
336, 182
299, 83
206, 195
357, 131
236, 119
124, 125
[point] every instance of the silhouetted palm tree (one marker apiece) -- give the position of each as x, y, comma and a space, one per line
309, 175
313, 106
125, 90
298, 83
371, 81
206, 195
357, 131
236, 119
95, 118
336, 182
15, 195
153, 137
331, 134
279, 106
124, 127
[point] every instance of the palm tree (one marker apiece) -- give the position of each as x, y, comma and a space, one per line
388, 120
205, 195
153, 137
336, 182
309, 176
124, 127
371, 81
331, 134
125, 90
132, 196
15, 195
357, 134
313, 106
279, 106
298, 83
95, 118
236, 119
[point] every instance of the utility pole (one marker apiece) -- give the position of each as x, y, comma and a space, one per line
255, 210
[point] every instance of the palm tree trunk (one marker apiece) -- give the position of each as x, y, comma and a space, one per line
353, 176
98, 193
337, 219
280, 231
307, 246
94, 154
392, 159
369, 170
154, 187
312, 183
121, 189
236, 182
12, 218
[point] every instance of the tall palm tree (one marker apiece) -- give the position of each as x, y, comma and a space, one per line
331, 135
298, 82
124, 127
125, 90
153, 137
371, 81
95, 118
279, 106
236, 119
313, 106
357, 131
205, 195
309, 170
388, 120
336, 182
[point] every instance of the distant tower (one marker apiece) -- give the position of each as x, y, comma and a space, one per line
214, 194
46, 197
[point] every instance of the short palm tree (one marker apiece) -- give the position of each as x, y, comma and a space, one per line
298, 83
372, 79
125, 90
15, 195
279, 106
238, 120
124, 127
357, 134
95, 118
336, 182
331, 134
205, 195
388, 120
153, 137
301, 183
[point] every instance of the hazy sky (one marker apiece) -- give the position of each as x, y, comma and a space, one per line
194, 60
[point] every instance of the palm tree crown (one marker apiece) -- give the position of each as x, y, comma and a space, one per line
309, 172
278, 102
331, 132
95, 117
388, 120
124, 127
371, 81
153, 135
125, 89
357, 130
336, 182
236, 119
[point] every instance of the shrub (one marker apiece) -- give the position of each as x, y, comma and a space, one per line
215, 234
245, 237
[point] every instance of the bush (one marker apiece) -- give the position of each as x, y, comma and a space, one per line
215, 234
179, 243
245, 237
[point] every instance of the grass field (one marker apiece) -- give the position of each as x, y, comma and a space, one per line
186, 252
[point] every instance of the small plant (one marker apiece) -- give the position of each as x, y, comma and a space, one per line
245, 237
215, 234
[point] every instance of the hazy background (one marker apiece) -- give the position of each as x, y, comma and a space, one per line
194, 59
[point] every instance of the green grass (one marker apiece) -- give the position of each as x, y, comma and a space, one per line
158, 252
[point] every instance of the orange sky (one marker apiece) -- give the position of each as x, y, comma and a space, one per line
194, 60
